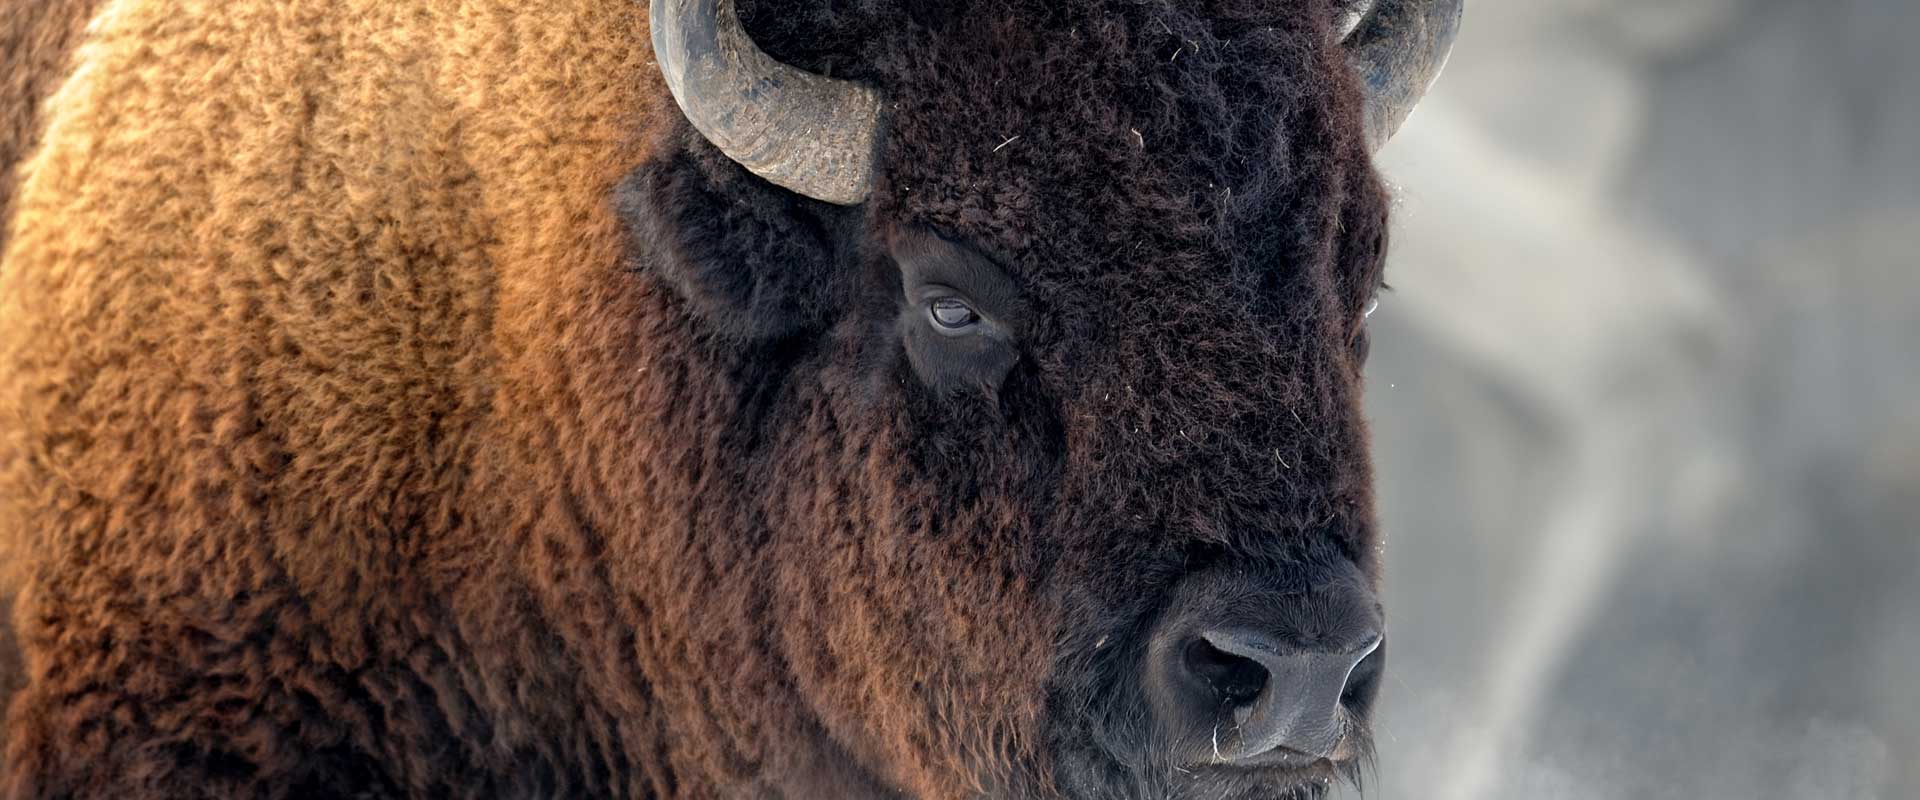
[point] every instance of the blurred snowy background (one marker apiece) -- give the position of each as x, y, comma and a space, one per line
1646, 400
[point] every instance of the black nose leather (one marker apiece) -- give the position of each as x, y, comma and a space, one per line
1283, 698
1267, 668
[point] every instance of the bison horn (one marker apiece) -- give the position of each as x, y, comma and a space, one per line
1398, 46
809, 133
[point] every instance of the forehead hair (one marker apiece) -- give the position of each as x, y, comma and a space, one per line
1187, 119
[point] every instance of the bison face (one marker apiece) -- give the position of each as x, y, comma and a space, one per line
1061, 479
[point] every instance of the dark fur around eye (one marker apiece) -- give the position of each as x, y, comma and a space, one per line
960, 315
956, 363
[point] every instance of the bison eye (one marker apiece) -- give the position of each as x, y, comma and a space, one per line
952, 314
959, 317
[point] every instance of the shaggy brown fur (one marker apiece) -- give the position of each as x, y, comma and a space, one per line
397, 399
36, 37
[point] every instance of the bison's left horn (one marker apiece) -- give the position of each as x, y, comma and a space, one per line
1398, 46
809, 133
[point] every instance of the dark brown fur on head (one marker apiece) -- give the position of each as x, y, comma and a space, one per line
477, 428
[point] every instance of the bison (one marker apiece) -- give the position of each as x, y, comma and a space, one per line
856, 399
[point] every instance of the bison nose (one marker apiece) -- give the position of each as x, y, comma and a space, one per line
1271, 700
1245, 669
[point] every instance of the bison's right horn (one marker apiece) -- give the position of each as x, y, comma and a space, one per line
806, 132
1398, 47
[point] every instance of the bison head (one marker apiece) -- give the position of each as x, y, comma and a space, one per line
1047, 322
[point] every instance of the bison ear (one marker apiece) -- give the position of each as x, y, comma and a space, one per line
752, 261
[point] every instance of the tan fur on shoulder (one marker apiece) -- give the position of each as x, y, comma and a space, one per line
36, 41
277, 269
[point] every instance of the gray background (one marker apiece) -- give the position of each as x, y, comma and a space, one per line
1644, 406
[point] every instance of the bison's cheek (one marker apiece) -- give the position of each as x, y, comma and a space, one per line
926, 664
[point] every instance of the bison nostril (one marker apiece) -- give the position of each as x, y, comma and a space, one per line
1364, 682
1235, 680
